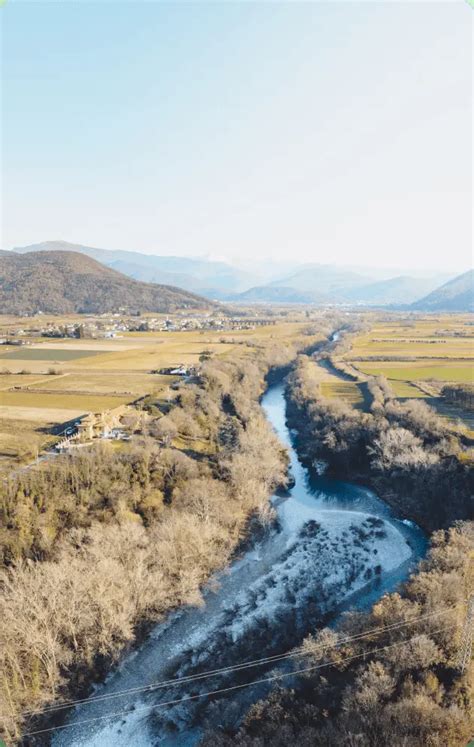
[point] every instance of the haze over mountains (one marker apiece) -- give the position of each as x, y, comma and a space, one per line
272, 283
68, 282
455, 295
210, 278
327, 284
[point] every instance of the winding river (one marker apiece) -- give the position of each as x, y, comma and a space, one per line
336, 546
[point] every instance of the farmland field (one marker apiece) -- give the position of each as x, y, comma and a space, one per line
101, 382
43, 353
61, 401
406, 390
333, 386
452, 370
51, 381
22, 438
418, 357
347, 391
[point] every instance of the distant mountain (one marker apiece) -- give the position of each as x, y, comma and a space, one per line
399, 290
329, 280
455, 295
279, 294
331, 284
60, 282
207, 277
264, 281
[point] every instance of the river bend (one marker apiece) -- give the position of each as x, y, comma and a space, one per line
337, 546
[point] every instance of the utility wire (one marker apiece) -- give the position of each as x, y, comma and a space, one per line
232, 668
227, 689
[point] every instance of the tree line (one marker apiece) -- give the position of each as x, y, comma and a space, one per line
461, 395
404, 449
410, 692
95, 543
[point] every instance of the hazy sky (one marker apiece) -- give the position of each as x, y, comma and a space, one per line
329, 132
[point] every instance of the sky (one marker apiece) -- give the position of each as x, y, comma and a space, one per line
334, 132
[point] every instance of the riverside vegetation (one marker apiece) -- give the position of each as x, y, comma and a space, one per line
96, 543
404, 449
403, 694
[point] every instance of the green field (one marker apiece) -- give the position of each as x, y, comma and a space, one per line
347, 391
405, 390
45, 354
458, 371
439, 349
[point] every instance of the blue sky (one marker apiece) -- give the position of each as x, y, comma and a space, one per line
329, 132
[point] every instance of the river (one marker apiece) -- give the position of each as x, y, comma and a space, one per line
335, 546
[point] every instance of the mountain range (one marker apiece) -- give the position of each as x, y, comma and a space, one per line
327, 284
455, 295
207, 277
59, 282
267, 282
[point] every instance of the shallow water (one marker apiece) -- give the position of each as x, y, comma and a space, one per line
263, 604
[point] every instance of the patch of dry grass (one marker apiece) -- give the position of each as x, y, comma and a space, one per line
60, 401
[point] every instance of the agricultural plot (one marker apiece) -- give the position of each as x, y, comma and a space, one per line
419, 356
96, 382
406, 390
21, 439
377, 346
8, 381
94, 375
437, 370
60, 401
43, 353
438, 349
347, 391
334, 386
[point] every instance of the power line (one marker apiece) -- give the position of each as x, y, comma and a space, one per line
227, 689
232, 668
465, 651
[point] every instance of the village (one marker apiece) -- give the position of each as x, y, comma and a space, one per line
110, 326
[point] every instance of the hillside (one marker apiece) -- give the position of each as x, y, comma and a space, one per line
261, 282
61, 282
325, 279
398, 290
330, 285
280, 294
210, 278
455, 295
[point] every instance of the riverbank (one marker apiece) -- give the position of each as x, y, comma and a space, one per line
114, 537
265, 603
404, 451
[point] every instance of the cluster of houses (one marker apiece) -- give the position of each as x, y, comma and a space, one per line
111, 326
196, 322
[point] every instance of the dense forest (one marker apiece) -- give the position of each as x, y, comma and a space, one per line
94, 544
62, 282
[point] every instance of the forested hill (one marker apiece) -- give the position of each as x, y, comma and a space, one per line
69, 282
456, 295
